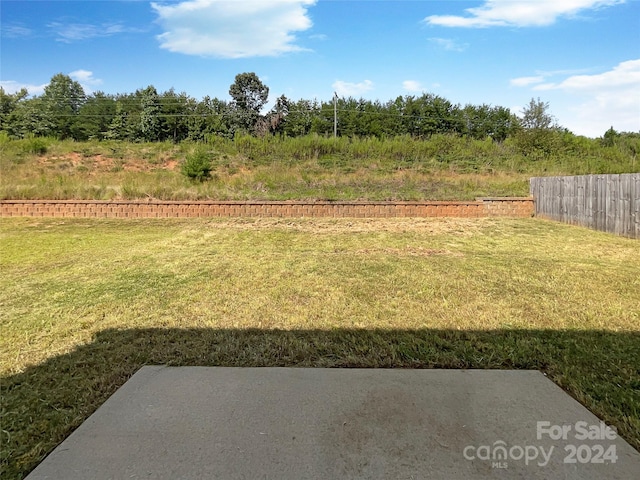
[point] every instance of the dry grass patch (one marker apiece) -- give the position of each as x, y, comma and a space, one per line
427, 226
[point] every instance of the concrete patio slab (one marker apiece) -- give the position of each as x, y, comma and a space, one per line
304, 423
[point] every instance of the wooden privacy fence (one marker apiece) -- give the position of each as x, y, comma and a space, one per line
610, 203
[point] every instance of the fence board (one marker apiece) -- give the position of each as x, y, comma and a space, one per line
610, 203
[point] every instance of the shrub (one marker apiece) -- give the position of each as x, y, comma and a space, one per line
34, 145
197, 166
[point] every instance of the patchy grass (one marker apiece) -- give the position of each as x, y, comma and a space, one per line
85, 303
311, 167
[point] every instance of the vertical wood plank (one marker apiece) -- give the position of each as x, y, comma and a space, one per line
604, 202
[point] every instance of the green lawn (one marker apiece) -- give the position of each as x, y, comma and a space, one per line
85, 303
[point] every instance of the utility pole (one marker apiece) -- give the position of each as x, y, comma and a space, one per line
335, 114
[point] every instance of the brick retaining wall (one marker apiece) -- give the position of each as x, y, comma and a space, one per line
484, 207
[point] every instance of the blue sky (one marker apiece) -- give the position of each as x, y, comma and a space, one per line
581, 56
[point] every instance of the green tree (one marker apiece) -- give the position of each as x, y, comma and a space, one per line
8, 104
62, 100
197, 166
536, 116
299, 118
249, 96
278, 115
394, 111
210, 117
174, 110
537, 137
117, 129
95, 117
485, 121
32, 117
127, 122
150, 126
503, 123
610, 137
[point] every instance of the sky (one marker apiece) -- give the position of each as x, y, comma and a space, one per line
580, 56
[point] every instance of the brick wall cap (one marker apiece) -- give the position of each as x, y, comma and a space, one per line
248, 202
505, 199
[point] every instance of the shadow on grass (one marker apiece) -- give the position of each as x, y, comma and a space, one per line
45, 403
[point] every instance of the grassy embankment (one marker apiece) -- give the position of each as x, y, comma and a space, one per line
85, 303
441, 168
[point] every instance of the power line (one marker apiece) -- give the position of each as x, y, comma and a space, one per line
325, 113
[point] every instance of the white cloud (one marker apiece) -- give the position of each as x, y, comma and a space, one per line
624, 75
238, 29
518, 13
11, 86
573, 71
15, 31
77, 32
412, 86
86, 79
449, 44
85, 76
525, 81
347, 89
602, 100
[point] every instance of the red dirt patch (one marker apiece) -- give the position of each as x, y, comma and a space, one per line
171, 164
98, 163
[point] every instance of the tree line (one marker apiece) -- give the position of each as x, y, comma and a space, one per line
65, 111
